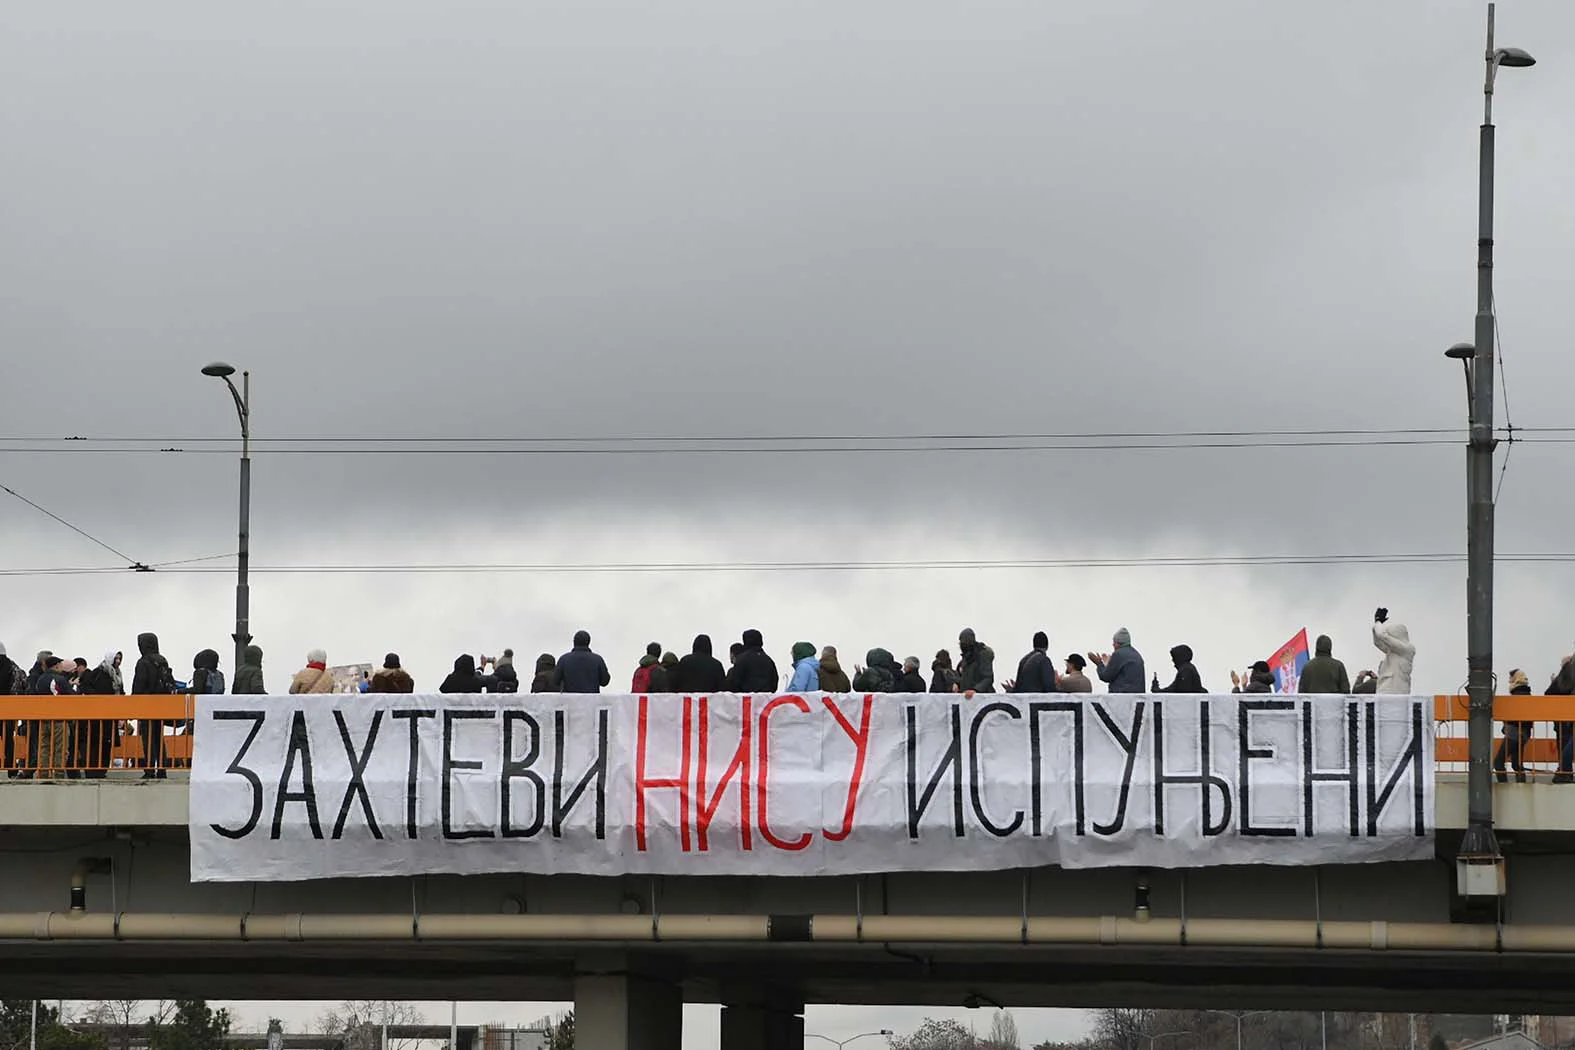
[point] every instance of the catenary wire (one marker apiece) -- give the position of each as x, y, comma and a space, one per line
132, 563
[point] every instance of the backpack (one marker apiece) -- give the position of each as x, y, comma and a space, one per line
642, 680
211, 683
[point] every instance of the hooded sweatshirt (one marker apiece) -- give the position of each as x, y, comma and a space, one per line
879, 674
699, 672
1394, 671
249, 676
465, 679
206, 678
806, 669
100, 680
1187, 679
833, 679
153, 674
1323, 673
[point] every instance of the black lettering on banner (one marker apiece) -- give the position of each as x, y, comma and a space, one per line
256, 718
1128, 744
975, 774
414, 716
1244, 710
562, 807
1410, 757
1205, 778
358, 763
450, 763
1035, 753
522, 768
951, 760
1350, 776
300, 744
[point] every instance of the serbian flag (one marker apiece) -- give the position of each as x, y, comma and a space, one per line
1288, 661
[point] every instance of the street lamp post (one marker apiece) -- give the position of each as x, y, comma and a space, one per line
1479, 853
842, 1043
1239, 1018
1163, 1035
243, 408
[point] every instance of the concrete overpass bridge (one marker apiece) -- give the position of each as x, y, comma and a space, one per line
97, 902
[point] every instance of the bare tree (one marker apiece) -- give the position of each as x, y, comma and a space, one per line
1003, 1033
937, 1035
126, 1020
1123, 1029
359, 1022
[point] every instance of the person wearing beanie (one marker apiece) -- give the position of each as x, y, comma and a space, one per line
503, 671
943, 679
580, 670
1258, 679
391, 677
806, 669
1122, 668
910, 681
1187, 679
315, 677
833, 679
975, 664
699, 673
546, 671
1072, 679
1516, 735
642, 673
754, 671
1035, 671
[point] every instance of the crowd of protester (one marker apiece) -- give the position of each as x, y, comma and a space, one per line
750, 669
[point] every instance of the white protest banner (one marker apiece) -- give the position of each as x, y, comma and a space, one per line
303, 787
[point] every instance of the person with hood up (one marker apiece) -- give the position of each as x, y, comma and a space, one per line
642, 674
1072, 679
833, 679
910, 681
546, 671
249, 676
392, 678
1035, 671
699, 673
806, 669
1187, 679
1259, 679
315, 677
879, 673
503, 671
1366, 684
99, 735
1323, 673
152, 676
12, 680
1516, 734
465, 678
1563, 684
1122, 668
580, 670
975, 664
943, 679
1394, 641
206, 678
669, 669
755, 671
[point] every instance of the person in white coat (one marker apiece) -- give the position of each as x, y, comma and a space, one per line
1394, 641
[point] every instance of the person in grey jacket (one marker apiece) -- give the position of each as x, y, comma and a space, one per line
1121, 669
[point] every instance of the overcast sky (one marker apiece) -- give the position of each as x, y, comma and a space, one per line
722, 219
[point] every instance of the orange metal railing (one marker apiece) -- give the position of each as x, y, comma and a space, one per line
49, 737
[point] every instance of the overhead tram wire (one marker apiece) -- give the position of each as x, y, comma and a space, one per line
131, 563
1224, 561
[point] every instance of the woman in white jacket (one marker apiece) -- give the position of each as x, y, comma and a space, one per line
1394, 641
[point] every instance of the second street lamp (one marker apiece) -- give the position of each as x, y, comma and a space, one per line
243, 408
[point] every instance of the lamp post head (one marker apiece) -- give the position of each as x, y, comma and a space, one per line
218, 370
1513, 57
1461, 352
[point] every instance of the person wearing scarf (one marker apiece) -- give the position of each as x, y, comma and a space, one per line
315, 676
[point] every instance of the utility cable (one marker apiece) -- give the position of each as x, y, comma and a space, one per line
133, 564
1503, 385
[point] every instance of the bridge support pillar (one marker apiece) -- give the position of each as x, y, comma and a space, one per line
762, 1028
628, 1012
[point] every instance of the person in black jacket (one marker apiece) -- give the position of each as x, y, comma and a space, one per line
1563, 684
910, 681
1187, 679
546, 673
1516, 734
1036, 671
755, 671
152, 677
942, 678
699, 672
580, 670
466, 680
100, 735
10, 674
503, 670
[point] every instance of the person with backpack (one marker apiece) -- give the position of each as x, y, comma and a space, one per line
152, 677
206, 678
648, 665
